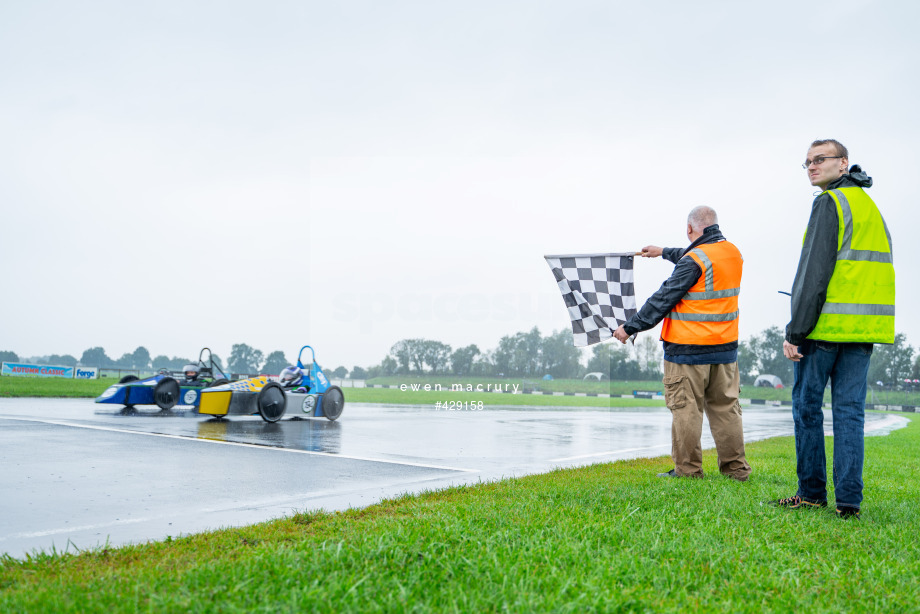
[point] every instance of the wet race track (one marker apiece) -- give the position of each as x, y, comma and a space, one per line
78, 475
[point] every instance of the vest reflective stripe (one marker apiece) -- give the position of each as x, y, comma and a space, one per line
703, 317
860, 294
858, 309
864, 255
706, 264
845, 251
708, 313
701, 296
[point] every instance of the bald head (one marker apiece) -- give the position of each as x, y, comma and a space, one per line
701, 217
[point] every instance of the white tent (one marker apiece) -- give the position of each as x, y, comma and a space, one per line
768, 381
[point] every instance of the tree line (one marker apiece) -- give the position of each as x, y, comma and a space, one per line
526, 354
529, 354
243, 359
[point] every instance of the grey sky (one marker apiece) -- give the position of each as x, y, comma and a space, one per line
182, 174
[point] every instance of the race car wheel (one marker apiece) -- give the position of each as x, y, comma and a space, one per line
166, 393
333, 402
128, 378
218, 382
271, 402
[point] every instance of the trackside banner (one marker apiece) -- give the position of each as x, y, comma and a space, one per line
16, 368
86, 373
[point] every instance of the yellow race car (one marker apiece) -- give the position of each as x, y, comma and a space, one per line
306, 388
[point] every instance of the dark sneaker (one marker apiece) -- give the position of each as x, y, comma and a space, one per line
669, 474
848, 512
798, 503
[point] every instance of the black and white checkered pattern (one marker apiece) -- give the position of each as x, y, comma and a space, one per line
598, 292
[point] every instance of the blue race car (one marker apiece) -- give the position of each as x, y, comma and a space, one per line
167, 389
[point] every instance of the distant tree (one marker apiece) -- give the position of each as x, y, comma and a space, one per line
416, 349
340, 372
176, 363
400, 354
95, 357
616, 361
891, 364
600, 359
768, 348
64, 360
649, 355
358, 373
141, 358
747, 363
8, 357
275, 363
915, 372
484, 364
519, 354
244, 359
461, 360
435, 354
160, 362
558, 356
388, 366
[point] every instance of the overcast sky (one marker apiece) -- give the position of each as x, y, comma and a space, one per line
349, 174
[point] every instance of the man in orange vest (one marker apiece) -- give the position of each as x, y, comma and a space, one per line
699, 306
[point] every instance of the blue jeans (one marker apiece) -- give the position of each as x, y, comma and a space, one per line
846, 365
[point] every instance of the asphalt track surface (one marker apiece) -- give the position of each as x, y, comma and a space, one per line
77, 475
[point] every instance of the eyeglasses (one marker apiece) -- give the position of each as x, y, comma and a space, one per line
818, 161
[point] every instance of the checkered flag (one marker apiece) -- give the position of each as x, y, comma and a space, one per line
598, 292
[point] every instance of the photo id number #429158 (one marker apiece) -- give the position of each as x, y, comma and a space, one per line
459, 406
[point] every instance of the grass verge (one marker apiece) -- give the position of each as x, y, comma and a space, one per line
53, 387
610, 537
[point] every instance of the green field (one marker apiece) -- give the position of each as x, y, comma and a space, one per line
609, 537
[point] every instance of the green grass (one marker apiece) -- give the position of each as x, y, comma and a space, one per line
610, 537
52, 387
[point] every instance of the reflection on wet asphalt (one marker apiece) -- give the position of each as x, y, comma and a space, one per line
80, 473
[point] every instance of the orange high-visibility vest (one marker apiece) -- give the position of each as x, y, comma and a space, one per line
708, 312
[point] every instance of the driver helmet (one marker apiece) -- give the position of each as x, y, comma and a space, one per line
191, 372
291, 376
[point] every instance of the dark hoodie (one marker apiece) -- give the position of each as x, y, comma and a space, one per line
819, 256
686, 273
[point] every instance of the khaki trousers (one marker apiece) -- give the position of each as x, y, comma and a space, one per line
689, 390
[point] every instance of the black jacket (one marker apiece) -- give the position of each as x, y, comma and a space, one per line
686, 273
819, 256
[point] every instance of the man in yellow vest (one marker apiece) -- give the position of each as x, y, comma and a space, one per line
842, 303
699, 306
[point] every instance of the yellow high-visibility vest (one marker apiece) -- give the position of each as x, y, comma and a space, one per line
860, 295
